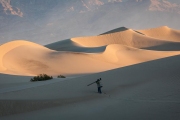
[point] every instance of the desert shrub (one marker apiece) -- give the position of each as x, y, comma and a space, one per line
61, 76
41, 77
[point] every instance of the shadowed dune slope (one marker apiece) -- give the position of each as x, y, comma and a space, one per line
69, 45
152, 87
164, 33
115, 30
127, 37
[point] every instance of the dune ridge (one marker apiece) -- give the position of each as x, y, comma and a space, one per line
163, 32
127, 37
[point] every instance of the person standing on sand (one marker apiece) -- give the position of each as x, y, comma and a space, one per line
99, 85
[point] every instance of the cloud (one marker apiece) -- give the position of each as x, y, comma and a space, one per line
8, 8
164, 5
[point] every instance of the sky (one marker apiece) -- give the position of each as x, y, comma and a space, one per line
45, 22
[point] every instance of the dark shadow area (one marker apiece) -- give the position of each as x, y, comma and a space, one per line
115, 30
171, 46
138, 32
69, 45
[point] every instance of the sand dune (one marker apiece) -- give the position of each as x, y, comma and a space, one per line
8, 47
139, 71
116, 48
33, 59
12, 56
125, 55
164, 33
127, 37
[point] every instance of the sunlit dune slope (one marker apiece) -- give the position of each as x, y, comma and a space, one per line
32, 59
5, 48
125, 55
127, 37
27, 58
163, 32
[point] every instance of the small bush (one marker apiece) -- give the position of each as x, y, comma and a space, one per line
41, 77
61, 76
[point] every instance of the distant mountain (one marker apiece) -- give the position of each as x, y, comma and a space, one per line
47, 21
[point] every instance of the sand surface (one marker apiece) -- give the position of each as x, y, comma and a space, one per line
139, 71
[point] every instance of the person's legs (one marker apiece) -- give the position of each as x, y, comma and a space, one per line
99, 89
